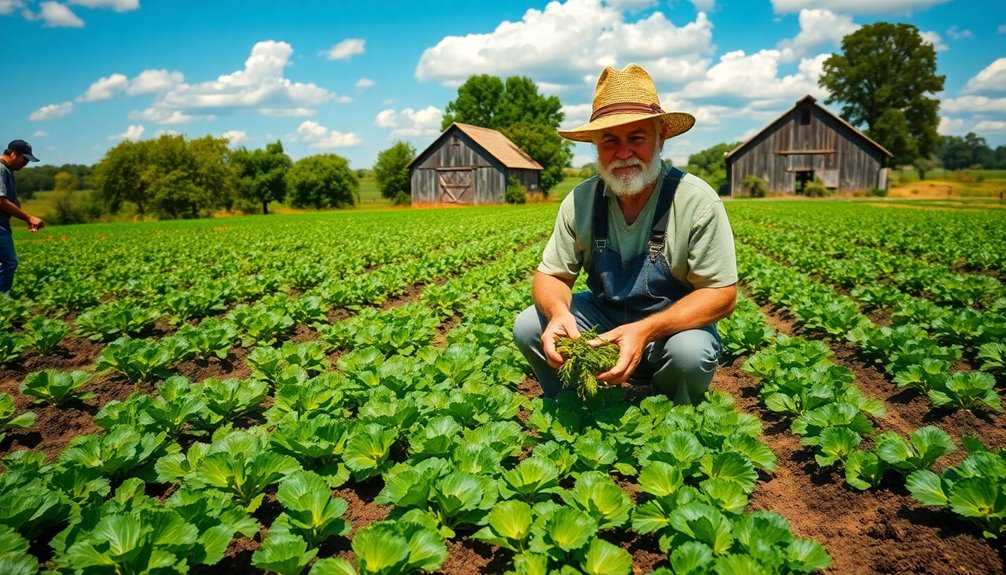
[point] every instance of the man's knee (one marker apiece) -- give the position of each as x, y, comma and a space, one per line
527, 329
685, 364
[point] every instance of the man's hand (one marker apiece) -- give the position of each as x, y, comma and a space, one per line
35, 224
631, 339
560, 324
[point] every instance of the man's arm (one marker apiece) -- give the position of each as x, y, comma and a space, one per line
553, 296
34, 224
699, 308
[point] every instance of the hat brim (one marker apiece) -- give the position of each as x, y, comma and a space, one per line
30, 157
675, 123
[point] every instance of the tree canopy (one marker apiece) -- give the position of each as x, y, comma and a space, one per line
517, 110
392, 173
262, 174
885, 80
168, 176
323, 181
710, 165
957, 153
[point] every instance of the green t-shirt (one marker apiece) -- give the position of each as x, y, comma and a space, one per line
699, 245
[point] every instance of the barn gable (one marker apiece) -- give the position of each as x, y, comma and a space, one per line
470, 165
805, 143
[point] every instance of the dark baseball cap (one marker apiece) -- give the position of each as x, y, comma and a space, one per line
23, 148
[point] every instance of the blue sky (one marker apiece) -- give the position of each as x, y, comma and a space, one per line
350, 78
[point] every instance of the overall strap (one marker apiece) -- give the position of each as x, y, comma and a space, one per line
600, 230
659, 231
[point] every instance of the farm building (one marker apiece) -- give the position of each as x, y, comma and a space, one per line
805, 143
470, 165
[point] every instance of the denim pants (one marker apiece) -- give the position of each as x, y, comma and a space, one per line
8, 260
681, 366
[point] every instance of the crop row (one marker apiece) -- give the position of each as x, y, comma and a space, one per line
972, 238
798, 380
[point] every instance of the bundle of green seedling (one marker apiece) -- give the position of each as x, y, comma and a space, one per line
582, 362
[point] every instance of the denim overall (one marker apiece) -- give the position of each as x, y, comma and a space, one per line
634, 289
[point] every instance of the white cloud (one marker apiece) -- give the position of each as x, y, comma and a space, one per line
56, 15
346, 49
260, 85
318, 136
104, 88
364, 83
117, 5
235, 136
990, 126
991, 79
632, 5
287, 112
957, 33
154, 81
854, 6
410, 123
704, 5
1001, 29
39, 134
549, 45
162, 116
51, 112
9, 6
966, 104
817, 27
933, 38
134, 132
951, 127
756, 76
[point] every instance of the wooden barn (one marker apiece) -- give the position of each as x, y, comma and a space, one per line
805, 143
470, 165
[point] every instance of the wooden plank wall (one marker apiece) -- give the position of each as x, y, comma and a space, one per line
456, 150
846, 161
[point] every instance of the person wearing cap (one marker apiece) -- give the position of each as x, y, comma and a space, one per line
16, 156
656, 246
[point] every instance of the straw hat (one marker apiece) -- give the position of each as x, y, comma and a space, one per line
626, 96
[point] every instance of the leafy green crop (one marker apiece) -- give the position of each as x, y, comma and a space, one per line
582, 362
56, 387
8, 420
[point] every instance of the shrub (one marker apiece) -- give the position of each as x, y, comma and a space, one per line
817, 189
876, 192
402, 199
516, 193
756, 187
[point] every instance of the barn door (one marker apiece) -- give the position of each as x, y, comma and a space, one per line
455, 186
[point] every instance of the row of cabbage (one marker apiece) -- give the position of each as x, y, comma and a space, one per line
799, 381
909, 354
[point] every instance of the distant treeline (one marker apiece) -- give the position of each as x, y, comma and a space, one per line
43, 178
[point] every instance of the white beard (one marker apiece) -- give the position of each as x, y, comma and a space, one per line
634, 183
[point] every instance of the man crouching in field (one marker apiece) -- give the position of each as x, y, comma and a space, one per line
655, 243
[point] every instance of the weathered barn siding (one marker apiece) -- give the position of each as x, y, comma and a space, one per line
457, 168
808, 142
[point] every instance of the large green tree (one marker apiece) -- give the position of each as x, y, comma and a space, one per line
520, 112
261, 174
392, 172
169, 176
323, 181
885, 80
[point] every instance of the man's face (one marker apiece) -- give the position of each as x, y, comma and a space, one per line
628, 157
18, 161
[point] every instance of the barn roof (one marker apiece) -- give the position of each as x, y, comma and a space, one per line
493, 142
813, 102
